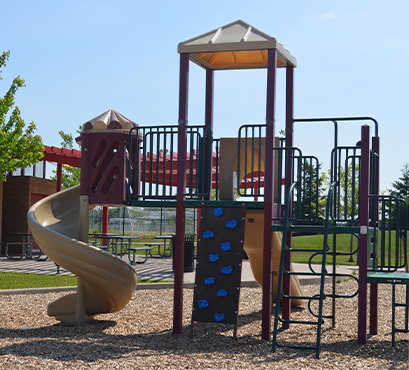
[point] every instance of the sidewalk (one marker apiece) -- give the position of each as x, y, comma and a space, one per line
160, 269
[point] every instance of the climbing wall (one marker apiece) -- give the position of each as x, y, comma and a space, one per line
218, 269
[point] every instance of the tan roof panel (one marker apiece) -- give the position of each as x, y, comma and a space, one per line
234, 46
109, 120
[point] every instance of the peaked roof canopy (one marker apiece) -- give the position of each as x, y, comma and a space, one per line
236, 45
109, 120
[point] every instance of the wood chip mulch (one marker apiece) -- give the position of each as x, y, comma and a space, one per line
140, 336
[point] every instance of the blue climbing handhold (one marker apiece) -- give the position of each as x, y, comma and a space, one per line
222, 293
231, 224
218, 212
213, 257
209, 280
203, 303
219, 317
226, 270
225, 246
208, 234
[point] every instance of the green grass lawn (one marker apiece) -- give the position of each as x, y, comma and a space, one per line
342, 244
11, 280
23, 281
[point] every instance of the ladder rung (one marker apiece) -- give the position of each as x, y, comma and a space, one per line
297, 347
305, 273
304, 250
401, 330
309, 298
298, 322
401, 305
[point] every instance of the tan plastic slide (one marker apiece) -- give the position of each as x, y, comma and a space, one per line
253, 245
107, 282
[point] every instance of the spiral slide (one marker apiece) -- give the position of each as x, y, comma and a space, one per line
253, 245
107, 282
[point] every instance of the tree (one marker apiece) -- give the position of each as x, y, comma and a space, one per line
71, 176
346, 196
19, 148
312, 199
400, 189
401, 186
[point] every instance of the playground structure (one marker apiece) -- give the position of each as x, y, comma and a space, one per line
126, 164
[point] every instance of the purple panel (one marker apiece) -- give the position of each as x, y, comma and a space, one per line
103, 167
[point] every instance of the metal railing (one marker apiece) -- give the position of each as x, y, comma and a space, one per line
345, 169
388, 245
250, 141
155, 167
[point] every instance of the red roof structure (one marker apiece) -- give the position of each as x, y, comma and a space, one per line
71, 157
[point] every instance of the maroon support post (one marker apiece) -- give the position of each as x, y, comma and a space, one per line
209, 123
180, 197
44, 168
363, 234
373, 306
59, 176
289, 126
268, 193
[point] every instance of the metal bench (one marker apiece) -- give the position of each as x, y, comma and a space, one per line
23, 251
134, 250
153, 244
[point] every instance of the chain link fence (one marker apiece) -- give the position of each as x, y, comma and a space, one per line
142, 220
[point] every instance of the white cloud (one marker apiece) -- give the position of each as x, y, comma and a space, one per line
330, 15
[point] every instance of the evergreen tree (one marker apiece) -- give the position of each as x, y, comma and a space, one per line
312, 203
400, 189
401, 186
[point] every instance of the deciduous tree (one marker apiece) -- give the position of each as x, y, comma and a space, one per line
71, 176
19, 146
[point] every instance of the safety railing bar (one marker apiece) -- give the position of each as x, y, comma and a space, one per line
339, 119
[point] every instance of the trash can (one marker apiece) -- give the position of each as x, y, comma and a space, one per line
188, 263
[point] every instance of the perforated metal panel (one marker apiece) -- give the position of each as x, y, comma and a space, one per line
218, 269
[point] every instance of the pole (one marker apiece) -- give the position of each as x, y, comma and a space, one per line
268, 194
180, 196
363, 234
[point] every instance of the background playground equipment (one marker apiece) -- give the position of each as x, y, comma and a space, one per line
138, 169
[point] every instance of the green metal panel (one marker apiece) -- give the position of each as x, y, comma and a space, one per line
388, 277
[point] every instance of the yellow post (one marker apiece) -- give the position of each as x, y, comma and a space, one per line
83, 234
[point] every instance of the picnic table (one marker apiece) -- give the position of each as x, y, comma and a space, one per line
166, 248
113, 241
26, 247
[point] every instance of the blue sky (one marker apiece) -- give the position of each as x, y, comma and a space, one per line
81, 58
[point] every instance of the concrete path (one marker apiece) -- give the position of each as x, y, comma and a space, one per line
158, 269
